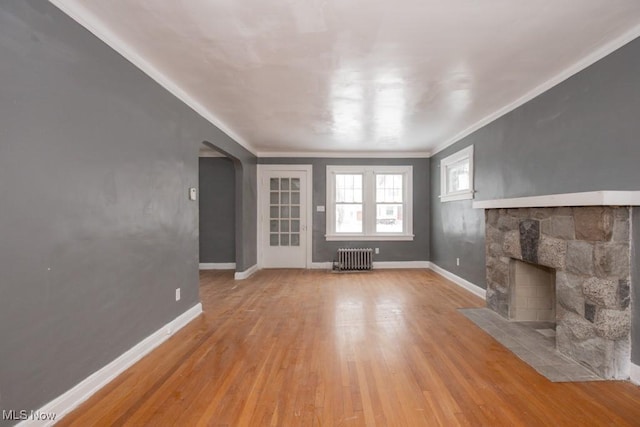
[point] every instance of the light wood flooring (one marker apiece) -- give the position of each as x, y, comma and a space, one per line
312, 348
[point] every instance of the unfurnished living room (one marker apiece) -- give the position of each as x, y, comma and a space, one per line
319, 213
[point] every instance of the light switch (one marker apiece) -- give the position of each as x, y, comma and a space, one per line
319, 208
193, 193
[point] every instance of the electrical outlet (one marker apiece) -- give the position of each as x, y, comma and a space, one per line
377, 251
177, 294
458, 261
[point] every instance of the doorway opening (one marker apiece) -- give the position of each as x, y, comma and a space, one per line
217, 209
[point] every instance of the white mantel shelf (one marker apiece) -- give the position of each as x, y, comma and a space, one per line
589, 198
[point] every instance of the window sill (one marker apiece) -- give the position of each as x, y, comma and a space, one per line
458, 196
368, 237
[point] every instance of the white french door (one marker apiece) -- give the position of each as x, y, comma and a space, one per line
285, 226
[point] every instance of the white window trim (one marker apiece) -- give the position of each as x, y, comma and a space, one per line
369, 203
445, 194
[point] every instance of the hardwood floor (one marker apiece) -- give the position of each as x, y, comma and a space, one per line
312, 348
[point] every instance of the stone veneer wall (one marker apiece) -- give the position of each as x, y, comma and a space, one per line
590, 249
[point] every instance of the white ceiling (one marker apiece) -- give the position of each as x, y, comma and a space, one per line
366, 76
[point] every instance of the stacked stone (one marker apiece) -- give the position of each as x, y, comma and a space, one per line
590, 249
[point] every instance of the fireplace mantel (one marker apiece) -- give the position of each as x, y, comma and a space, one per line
588, 198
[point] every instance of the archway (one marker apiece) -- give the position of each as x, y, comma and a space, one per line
242, 267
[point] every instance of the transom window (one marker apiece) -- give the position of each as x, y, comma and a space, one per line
369, 203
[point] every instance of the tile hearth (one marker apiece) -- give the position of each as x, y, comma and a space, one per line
535, 349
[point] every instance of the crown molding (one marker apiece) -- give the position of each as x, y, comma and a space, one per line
573, 69
347, 154
93, 24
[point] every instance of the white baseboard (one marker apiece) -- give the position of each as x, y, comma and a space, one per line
400, 264
217, 266
635, 374
241, 275
321, 265
70, 400
463, 283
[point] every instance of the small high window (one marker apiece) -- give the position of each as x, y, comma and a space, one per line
456, 176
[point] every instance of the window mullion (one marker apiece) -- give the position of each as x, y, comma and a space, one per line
331, 204
365, 208
406, 209
370, 202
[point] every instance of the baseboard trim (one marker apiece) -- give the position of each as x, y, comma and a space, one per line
217, 266
463, 283
71, 399
321, 265
635, 373
241, 275
400, 264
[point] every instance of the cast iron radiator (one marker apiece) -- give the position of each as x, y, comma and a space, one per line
353, 259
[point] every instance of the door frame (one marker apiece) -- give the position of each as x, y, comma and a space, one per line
261, 240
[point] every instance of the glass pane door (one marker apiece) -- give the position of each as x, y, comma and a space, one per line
284, 212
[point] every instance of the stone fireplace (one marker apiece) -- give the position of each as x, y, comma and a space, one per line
581, 256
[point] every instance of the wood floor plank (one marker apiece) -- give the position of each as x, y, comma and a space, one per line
312, 348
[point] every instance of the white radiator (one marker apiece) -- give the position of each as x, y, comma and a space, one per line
354, 259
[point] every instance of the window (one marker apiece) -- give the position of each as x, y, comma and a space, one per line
369, 203
456, 176
348, 203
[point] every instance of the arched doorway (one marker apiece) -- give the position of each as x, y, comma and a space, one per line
217, 214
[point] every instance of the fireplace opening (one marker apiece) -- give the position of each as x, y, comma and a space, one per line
533, 293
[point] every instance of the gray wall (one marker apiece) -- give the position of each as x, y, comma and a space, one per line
582, 135
246, 205
217, 178
96, 230
323, 251
635, 283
